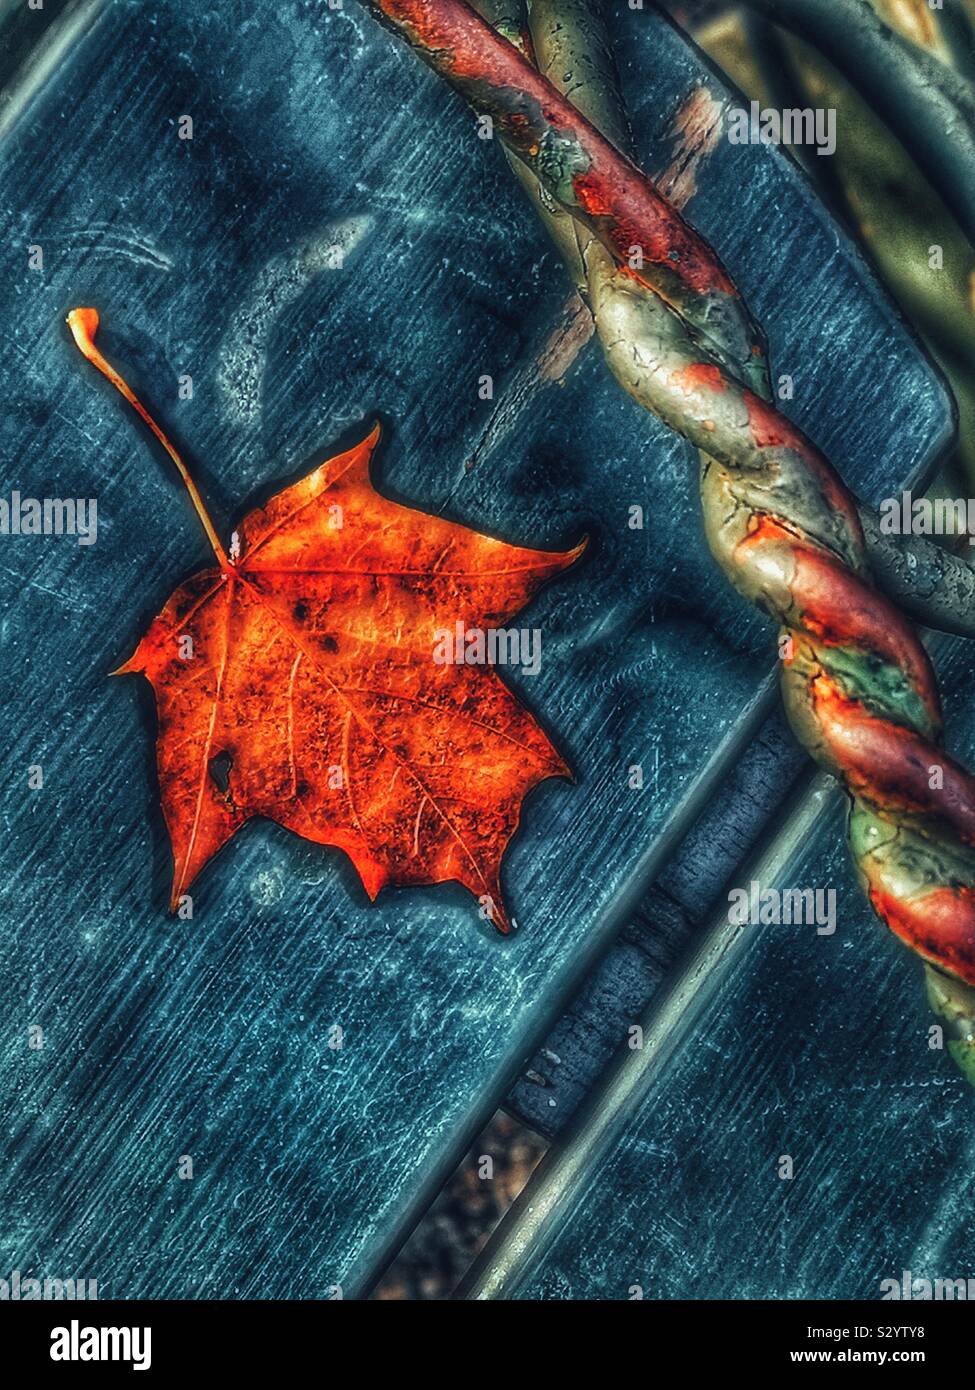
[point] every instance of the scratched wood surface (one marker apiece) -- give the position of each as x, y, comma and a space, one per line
210, 257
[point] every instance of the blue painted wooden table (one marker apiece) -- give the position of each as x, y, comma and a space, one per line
333, 244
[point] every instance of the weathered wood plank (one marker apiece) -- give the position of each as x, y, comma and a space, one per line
207, 257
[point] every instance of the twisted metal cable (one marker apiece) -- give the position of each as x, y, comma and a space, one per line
858, 686
569, 43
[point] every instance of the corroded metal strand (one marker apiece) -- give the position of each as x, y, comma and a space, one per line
584, 174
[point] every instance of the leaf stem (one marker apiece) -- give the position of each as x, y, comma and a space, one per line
84, 325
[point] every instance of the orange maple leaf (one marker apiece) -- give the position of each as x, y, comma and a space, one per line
297, 680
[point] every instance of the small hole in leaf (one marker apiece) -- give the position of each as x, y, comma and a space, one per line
220, 770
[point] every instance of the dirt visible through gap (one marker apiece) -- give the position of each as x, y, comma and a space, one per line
456, 1227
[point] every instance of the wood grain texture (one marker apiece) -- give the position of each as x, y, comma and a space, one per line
211, 257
